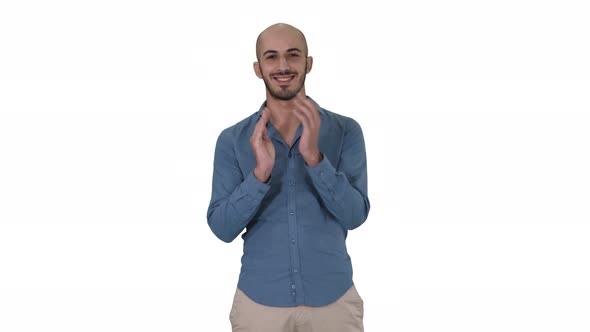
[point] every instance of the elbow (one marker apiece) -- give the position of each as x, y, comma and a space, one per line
225, 238
219, 228
222, 235
358, 217
355, 223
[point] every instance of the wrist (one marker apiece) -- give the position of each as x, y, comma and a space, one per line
262, 176
314, 159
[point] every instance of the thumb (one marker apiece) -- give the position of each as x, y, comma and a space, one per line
265, 135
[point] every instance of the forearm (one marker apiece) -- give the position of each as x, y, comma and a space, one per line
348, 203
228, 215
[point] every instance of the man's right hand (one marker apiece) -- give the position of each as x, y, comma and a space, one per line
264, 150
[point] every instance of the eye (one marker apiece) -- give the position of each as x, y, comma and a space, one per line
294, 55
270, 57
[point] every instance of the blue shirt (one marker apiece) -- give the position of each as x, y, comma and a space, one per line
296, 223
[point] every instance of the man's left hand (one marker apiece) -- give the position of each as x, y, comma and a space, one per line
310, 118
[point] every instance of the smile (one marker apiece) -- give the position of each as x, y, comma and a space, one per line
282, 79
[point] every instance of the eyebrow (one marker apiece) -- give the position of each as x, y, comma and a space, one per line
293, 49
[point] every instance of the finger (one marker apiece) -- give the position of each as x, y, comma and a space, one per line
265, 136
305, 100
301, 94
261, 124
307, 105
302, 116
307, 114
265, 114
313, 109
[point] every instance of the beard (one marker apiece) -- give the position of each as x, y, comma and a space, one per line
284, 93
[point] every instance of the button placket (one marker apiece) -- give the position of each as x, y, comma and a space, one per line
295, 276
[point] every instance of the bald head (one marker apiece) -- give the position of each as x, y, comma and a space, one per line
279, 31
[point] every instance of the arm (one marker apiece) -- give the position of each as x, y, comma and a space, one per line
234, 200
344, 190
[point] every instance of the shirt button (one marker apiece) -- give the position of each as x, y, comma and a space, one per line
293, 286
293, 293
322, 173
291, 212
295, 270
293, 241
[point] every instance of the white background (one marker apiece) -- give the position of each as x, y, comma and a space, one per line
476, 118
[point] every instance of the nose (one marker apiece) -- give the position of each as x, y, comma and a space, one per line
283, 64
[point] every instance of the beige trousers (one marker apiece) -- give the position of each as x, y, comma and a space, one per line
344, 315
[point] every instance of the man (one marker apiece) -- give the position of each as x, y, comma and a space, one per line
295, 176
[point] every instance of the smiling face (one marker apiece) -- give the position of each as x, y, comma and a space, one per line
282, 61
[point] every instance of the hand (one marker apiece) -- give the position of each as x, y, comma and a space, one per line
310, 118
264, 150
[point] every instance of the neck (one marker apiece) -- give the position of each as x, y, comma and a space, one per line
281, 111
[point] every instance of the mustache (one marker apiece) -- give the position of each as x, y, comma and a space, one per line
284, 72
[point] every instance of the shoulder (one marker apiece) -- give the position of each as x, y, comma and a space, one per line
239, 129
340, 121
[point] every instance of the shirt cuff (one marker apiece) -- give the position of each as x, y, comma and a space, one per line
254, 188
323, 174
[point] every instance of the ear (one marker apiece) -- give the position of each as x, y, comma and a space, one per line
309, 63
257, 69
